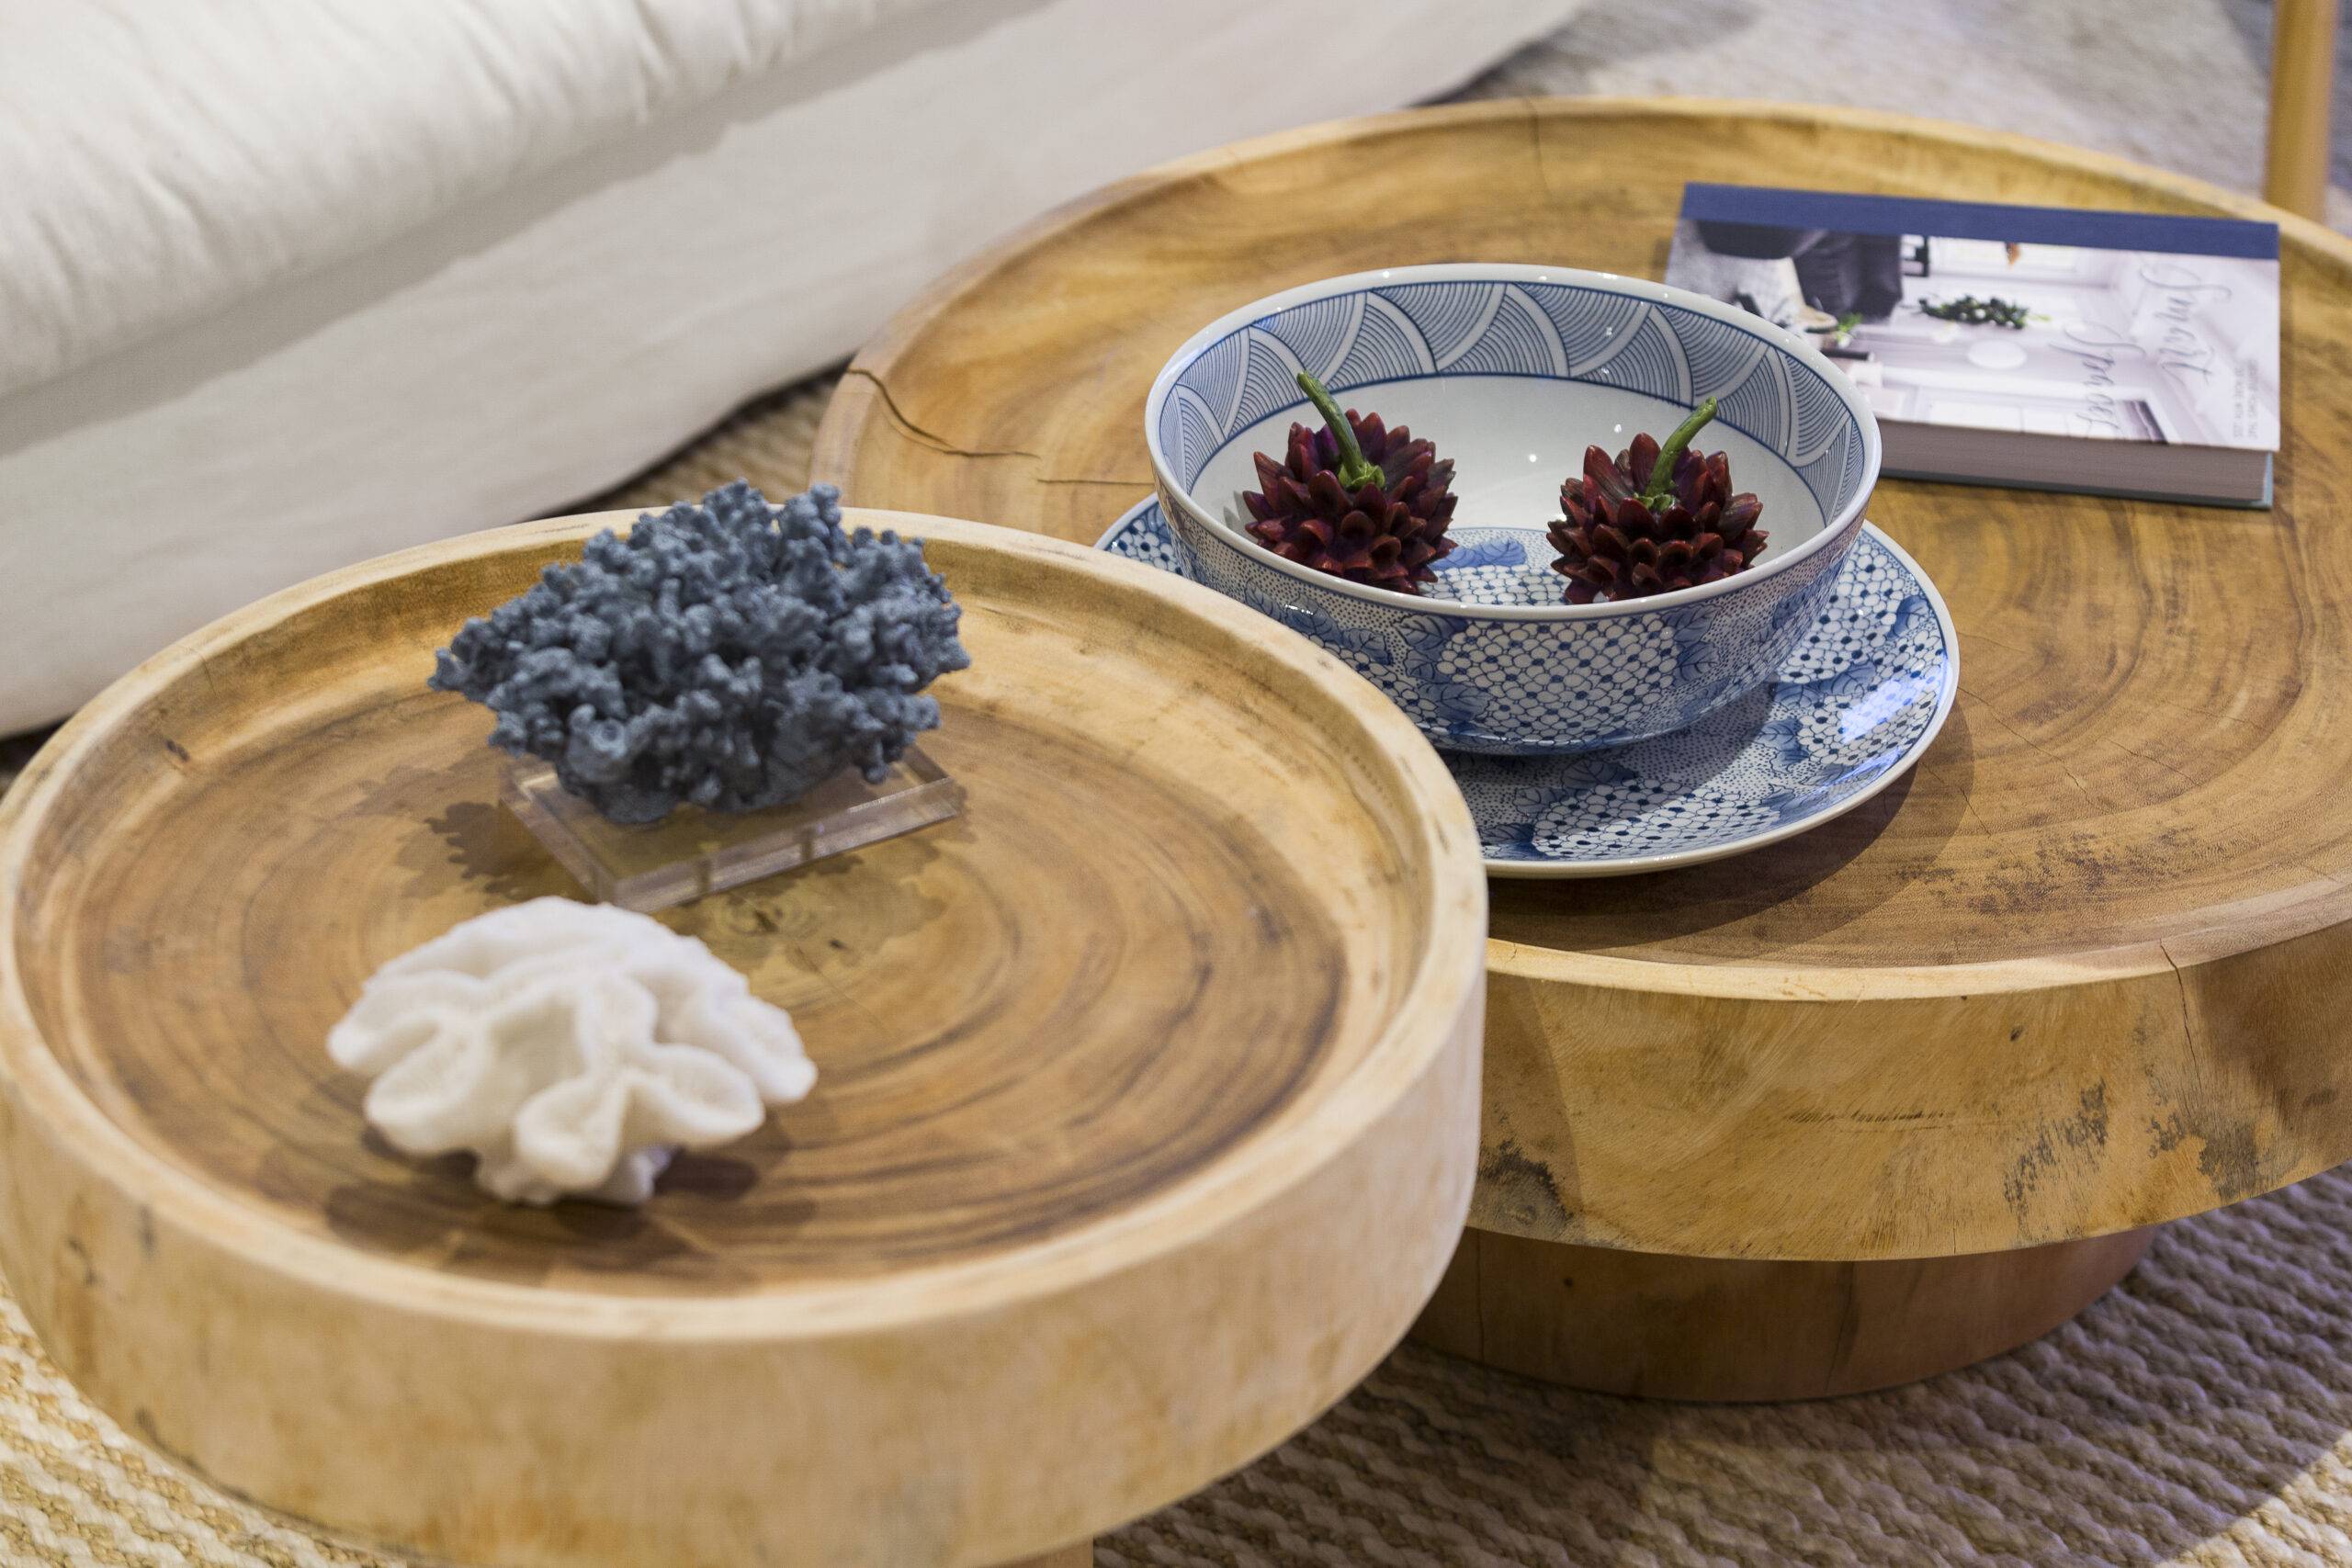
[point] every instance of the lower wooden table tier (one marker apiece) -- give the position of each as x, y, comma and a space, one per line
2081, 974
1141, 1133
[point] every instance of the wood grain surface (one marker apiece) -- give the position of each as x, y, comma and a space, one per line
1067, 1557
1114, 1070
995, 1072
2085, 970
1739, 1329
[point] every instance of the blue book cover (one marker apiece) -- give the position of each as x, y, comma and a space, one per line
1993, 341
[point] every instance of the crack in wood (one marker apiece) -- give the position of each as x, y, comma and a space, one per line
947, 448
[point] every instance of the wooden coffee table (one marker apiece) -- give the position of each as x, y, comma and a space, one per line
1146, 1119
1903, 1092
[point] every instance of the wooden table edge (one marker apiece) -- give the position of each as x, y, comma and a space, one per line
27, 1068
864, 384
2204, 990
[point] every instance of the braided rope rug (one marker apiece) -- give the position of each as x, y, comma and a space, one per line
2200, 1413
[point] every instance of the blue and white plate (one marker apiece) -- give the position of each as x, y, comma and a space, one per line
1846, 713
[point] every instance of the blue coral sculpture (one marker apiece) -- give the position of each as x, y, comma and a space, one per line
729, 655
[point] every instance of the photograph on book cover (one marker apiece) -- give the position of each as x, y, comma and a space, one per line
2040, 321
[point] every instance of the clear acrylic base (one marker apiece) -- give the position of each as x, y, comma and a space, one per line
692, 852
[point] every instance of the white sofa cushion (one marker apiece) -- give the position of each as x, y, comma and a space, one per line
161, 160
547, 337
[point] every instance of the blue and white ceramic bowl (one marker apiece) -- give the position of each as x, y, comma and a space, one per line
1853, 709
1513, 371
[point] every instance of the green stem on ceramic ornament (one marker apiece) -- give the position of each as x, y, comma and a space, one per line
1355, 470
1669, 452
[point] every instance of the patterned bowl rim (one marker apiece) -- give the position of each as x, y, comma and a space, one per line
1833, 529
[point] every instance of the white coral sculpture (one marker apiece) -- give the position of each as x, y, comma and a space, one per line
572, 1048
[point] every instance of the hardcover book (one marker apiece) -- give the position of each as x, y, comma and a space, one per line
2050, 348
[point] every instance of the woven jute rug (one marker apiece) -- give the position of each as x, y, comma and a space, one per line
2201, 1412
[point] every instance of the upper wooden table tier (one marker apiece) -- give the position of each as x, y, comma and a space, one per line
2086, 969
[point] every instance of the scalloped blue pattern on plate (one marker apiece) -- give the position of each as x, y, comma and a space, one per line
1849, 710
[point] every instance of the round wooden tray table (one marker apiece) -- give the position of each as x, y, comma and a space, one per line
1146, 1119
1903, 1092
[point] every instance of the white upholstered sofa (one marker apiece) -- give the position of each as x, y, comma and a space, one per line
285, 284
